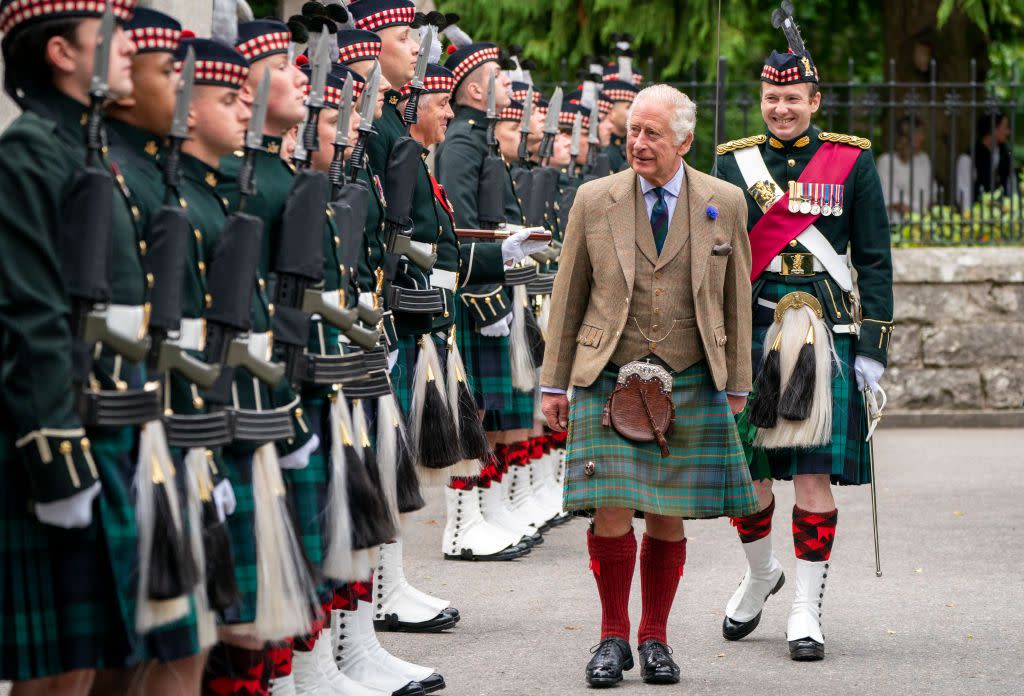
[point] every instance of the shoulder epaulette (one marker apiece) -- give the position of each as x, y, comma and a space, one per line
741, 143
843, 139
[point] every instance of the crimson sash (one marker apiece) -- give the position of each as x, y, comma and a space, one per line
831, 164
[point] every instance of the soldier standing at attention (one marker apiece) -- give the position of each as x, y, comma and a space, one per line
811, 197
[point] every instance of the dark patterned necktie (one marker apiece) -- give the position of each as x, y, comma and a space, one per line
659, 219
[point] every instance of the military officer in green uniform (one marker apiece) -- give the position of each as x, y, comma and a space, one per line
70, 604
136, 127
812, 197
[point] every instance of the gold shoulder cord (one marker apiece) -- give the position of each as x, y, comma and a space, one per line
728, 147
843, 139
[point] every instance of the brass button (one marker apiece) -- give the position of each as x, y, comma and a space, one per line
208, 299
298, 412
657, 293
202, 267
150, 280
793, 243
197, 402
182, 202
657, 276
142, 247
270, 309
65, 447
262, 283
136, 213
198, 234
791, 162
337, 241
85, 443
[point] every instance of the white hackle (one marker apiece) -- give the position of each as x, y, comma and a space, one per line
338, 554
198, 481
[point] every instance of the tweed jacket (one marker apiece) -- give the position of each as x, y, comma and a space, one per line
597, 269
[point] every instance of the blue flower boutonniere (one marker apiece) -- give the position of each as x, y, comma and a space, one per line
712, 212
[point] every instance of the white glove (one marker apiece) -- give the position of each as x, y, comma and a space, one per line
224, 499
300, 457
69, 513
518, 247
392, 360
502, 327
868, 371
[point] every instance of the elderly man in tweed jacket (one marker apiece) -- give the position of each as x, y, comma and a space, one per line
655, 268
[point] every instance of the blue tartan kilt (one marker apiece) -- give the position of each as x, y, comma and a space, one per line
847, 458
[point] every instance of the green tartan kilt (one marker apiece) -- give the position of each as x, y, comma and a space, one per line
403, 376
520, 415
307, 488
488, 367
705, 476
238, 464
847, 458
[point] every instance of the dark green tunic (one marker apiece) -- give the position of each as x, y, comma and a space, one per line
864, 229
48, 626
616, 152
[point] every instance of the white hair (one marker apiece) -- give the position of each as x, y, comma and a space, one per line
683, 111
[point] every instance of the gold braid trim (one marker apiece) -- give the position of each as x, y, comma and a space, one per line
740, 144
843, 139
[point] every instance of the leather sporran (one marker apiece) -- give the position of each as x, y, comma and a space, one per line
641, 408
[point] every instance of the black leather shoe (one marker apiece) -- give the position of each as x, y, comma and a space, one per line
446, 619
435, 682
656, 663
509, 553
611, 657
806, 650
410, 689
735, 630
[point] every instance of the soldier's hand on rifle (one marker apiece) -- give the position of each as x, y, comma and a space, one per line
555, 408
518, 247
869, 372
69, 513
502, 327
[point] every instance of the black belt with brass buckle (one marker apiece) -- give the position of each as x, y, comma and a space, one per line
114, 409
201, 430
262, 426
797, 264
374, 385
411, 301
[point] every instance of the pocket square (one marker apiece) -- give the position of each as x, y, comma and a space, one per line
721, 249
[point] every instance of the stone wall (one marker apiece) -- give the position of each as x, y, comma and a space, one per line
959, 340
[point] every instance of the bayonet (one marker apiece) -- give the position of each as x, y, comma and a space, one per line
308, 141
524, 126
419, 76
574, 144
369, 105
492, 113
336, 172
551, 125
626, 69
179, 127
99, 85
253, 140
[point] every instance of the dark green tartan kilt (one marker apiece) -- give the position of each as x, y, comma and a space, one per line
847, 458
705, 475
488, 366
307, 487
238, 465
520, 415
404, 374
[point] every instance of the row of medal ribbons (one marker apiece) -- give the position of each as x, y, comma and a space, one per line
815, 199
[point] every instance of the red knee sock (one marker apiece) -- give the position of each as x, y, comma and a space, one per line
813, 534
613, 559
234, 671
756, 526
661, 566
279, 660
462, 483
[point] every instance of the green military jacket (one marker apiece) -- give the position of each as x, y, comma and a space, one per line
863, 228
616, 152
42, 150
388, 129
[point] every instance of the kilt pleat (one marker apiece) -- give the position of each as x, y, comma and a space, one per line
847, 457
30, 643
242, 532
307, 489
705, 476
488, 367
